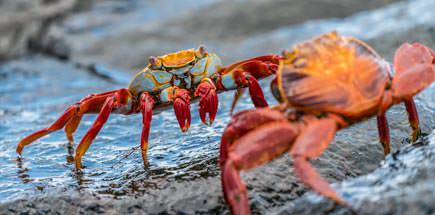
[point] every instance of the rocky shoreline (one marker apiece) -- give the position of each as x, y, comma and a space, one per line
74, 56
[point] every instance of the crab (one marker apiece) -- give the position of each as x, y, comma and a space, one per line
172, 79
324, 84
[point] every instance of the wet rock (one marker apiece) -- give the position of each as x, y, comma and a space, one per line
403, 184
24, 25
183, 177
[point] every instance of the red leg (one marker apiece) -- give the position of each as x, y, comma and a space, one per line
239, 78
93, 131
313, 140
119, 99
58, 124
237, 94
71, 127
256, 93
146, 106
208, 102
246, 73
275, 90
413, 118
234, 190
69, 119
244, 141
384, 133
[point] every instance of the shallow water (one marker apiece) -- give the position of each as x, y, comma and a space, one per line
34, 91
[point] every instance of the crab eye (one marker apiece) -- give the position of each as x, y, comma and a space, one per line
285, 53
201, 51
155, 62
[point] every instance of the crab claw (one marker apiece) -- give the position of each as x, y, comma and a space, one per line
182, 108
208, 102
415, 70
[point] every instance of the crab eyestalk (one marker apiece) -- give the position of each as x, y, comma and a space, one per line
154, 62
201, 51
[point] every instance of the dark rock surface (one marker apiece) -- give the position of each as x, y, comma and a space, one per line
403, 184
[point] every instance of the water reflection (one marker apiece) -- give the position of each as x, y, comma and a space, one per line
70, 151
23, 171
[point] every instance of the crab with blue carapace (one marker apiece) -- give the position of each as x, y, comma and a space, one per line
172, 79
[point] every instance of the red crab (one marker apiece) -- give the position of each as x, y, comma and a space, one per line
325, 84
172, 79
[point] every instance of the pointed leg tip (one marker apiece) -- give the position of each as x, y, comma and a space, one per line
211, 122
144, 152
202, 117
78, 163
185, 128
207, 122
415, 135
341, 202
386, 152
146, 164
19, 150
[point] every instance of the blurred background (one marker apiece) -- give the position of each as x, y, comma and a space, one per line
54, 52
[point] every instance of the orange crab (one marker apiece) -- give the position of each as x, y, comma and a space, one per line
324, 85
172, 79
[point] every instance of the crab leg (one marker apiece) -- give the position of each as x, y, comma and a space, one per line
253, 149
384, 133
146, 107
208, 103
413, 119
71, 127
118, 99
237, 94
310, 144
275, 90
247, 73
69, 119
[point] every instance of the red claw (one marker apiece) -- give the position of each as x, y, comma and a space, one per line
182, 108
208, 102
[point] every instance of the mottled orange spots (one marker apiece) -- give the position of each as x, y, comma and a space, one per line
178, 59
